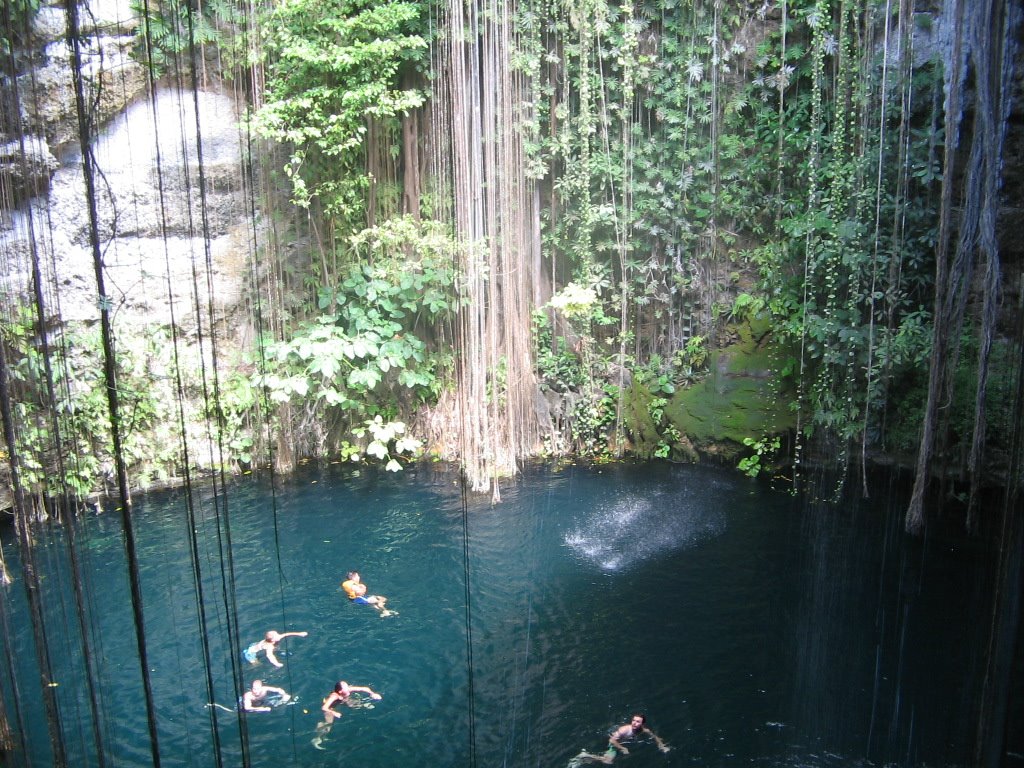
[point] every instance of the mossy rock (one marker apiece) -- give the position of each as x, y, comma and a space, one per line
739, 397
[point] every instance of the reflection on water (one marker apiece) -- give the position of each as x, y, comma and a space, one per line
750, 630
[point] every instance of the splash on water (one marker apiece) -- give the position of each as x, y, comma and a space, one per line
630, 528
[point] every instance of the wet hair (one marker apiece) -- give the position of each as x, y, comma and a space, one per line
643, 718
340, 686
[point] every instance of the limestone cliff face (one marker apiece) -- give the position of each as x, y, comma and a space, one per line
39, 97
171, 218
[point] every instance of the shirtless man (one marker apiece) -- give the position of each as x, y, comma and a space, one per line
341, 693
637, 726
253, 699
268, 644
356, 591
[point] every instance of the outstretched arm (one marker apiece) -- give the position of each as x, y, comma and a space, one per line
247, 705
366, 689
294, 634
657, 740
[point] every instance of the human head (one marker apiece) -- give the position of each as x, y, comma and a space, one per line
341, 687
353, 575
257, 686
638, 721
272, 636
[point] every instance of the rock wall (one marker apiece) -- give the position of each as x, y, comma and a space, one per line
39, 97
171, 214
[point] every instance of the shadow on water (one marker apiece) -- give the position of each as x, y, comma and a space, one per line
750, 628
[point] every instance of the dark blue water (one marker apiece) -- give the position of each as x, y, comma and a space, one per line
752, 629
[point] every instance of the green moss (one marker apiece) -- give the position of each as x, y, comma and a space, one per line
740, 397
642, 429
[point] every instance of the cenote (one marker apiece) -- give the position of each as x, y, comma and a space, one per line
751, 628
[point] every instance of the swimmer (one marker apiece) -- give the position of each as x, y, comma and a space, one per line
254, 700
356, 591
342, 693
637, 726
268, 645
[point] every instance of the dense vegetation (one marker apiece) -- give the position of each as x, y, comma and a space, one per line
708, 180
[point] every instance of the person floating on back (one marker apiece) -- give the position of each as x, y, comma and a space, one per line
268, 645
356, 591
636, 727
255, 699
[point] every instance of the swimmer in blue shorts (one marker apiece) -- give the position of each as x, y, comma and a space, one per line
356, 591
268, 645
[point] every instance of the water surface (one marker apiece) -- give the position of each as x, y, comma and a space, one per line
750, 628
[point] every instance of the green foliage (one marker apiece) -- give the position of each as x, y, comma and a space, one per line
654, 377
82, 411
689, 362
16, 16
764, 449
238, 406
668, 433
679, 135
387, 441
593, 422
364, 355
172, 29
333, 66
746, 307
669, 436
846, 269
558, 366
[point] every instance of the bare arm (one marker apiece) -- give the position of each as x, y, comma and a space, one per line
657, 740
366, 689
620, 733
294, 634
328, 702
247, 704
273, 658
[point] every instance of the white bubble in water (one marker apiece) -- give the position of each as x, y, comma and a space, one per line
631, 528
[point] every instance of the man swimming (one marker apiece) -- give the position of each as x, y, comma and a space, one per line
342, 693
254, 700
268, 645
356, 591
636, 727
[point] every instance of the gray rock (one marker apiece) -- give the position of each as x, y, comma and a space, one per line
26, 166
